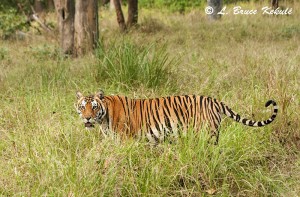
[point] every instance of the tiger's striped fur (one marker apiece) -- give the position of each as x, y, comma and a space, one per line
158, 117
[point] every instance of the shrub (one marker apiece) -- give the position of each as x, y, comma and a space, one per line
10, 23
132, 66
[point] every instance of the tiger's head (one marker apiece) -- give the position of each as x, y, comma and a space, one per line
91, 108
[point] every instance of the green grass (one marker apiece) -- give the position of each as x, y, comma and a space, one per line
243, 61
130, 65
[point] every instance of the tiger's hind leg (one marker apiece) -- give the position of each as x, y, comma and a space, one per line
216, 126
214, 133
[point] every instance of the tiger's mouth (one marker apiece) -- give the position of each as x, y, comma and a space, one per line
89, 125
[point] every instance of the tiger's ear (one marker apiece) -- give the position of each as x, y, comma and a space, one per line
100, 94
79, 95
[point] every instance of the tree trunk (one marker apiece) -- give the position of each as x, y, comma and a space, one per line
274, 4
66, 12
104, 2
132, 13
86, 26
120, 16
216, 6
50, 5
38, 6
111, 5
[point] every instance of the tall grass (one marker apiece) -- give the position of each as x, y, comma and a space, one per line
132, 65
45, 151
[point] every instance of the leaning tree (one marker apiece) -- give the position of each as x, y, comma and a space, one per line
132, 13
120, 15
132, 18
216, 6
275, 4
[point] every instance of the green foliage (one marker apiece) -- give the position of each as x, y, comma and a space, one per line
8, 4
45, 52
180, 5
12, 16
290, 31
16, 4
3, 53
10, 22
130, 65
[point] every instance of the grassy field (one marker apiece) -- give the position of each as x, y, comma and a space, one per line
241, 60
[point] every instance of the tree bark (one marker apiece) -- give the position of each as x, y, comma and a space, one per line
120, 16
275, 4
86, 26
132, 13
50, 5
111, 5
66, 13
216, 5
38, 6
104, 2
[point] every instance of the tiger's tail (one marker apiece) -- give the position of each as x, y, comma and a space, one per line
228, 112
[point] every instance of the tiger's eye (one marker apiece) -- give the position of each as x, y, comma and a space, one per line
94, 105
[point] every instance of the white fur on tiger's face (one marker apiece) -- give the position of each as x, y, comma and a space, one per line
90, 108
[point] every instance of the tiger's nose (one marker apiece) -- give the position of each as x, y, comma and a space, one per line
88, 118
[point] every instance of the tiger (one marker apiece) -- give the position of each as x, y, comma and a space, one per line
159, 118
